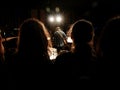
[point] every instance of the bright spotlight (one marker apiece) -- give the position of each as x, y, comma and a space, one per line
51, 18
58, 18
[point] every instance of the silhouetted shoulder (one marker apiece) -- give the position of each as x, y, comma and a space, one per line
64, 58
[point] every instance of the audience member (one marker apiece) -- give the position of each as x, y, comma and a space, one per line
34, 42
82, 56
2, 51
108, 48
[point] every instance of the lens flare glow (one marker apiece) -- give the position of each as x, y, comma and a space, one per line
51, 19
58, 18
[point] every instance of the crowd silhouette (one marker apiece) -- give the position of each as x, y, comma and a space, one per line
85, 60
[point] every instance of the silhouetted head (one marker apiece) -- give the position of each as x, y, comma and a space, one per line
110, 36
34, 39
82, 31
57, 28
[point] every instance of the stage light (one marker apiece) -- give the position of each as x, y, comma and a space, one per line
55, 19
48, 9
58, 18
51, 19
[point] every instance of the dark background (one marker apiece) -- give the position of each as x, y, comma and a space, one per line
12, 13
